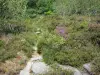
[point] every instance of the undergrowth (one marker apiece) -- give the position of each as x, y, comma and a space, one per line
80, 46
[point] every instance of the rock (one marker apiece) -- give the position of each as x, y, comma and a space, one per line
36, 65
87, 67
76, 71
39, 68
85, 73
26, 70
36, 58
23, 72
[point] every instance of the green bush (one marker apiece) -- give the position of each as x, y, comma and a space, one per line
32, 3
32, 13
12, 8
74, 51
69, 54
45, 5
14, 46
41, 6
93, 33
74, 58
66, 7
59, 72
12, 26
96, 66
1, 43
94, 37
48, 12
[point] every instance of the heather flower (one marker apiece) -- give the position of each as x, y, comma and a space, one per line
62, 31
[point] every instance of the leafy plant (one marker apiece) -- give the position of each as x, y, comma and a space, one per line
68, 7
96, 66
12, 26
12, 8
14, 46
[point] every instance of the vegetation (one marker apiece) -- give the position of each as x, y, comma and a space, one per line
64, 31
96, 66
78, 6
12, 8
60, 72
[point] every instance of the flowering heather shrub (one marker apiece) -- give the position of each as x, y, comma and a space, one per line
14, 46
94, 27
62, 31
93, 33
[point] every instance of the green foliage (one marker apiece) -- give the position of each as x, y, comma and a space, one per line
45, 5
96, 66
15, 8
94, 37
1, 43
74, 52
74, 58
59, 72
14, 46
12, 26
12, 8
32, 3
48, 12
32, 13
81, 46
65, 7
40, 6
93, 34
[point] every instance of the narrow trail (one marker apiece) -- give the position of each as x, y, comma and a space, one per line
36, 66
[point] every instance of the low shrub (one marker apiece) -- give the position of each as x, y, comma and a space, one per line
75, 51
12, 26
74, 58
1, 43
93, 34
69, 7
96, 66
14, 46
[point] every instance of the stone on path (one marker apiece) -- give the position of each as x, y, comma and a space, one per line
39, 68
75, 70
36, 65
36, 58
26, 70
23, 72
85, 73
87, 67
